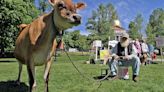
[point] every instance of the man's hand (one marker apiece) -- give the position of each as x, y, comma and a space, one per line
116, 57
126, 57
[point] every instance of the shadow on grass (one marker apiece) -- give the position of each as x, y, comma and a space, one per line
7, 60
99, 77
12, 86
103, 77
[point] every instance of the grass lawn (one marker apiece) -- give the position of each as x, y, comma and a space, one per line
65, 78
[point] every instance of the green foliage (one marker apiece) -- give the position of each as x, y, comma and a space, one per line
13, 13
83, 43
138, 21
155, 27
92, 37
76, 40
135, 27
150, 35
133, 32
101, 22
43, 5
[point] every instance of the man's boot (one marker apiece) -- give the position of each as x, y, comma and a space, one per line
135, 78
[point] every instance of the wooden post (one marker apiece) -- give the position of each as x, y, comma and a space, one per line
96, 53
161, 54
160, 44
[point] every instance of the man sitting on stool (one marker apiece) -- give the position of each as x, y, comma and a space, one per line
125, 54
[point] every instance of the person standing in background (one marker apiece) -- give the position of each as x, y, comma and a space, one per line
145, 51
138, 47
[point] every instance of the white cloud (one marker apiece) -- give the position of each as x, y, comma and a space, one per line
126, 20
122, 5
70, 30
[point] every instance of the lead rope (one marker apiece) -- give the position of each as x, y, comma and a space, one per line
83, 76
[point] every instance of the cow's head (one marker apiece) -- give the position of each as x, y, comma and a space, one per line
65, 13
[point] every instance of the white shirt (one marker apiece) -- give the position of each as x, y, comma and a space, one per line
144, 47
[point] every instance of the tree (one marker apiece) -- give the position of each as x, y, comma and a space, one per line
76, 40
150, 35
43, 5
156, 21
133, 32
138, 20
135, 27
155, 27
83, 43
70, 39
92, 37
13, 13
101, 22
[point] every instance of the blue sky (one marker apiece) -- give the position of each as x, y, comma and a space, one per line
126, 9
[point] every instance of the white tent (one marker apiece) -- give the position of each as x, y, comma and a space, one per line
112, 43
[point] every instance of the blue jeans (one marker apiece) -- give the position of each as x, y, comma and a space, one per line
134, 62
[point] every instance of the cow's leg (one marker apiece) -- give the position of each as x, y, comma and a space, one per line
19, 74
48, 65
46, 74
31, 74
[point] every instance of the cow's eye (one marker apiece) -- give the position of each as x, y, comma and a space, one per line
68, 13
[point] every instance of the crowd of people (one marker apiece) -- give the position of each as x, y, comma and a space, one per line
144, 51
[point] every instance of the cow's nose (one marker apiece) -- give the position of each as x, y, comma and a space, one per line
77, 18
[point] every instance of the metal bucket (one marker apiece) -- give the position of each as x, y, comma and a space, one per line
123, 72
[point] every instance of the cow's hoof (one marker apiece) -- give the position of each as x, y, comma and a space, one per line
17, 82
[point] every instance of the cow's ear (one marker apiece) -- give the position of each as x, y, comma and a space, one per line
52, 2
80, 5
34, 33
22, 26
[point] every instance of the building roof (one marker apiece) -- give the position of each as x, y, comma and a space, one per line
118, 28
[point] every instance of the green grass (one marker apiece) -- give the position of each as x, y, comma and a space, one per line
65, 78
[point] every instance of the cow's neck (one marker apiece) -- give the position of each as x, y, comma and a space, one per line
59, 31
53, 29
49, 30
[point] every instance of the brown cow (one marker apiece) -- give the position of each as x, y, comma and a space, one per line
36, 43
